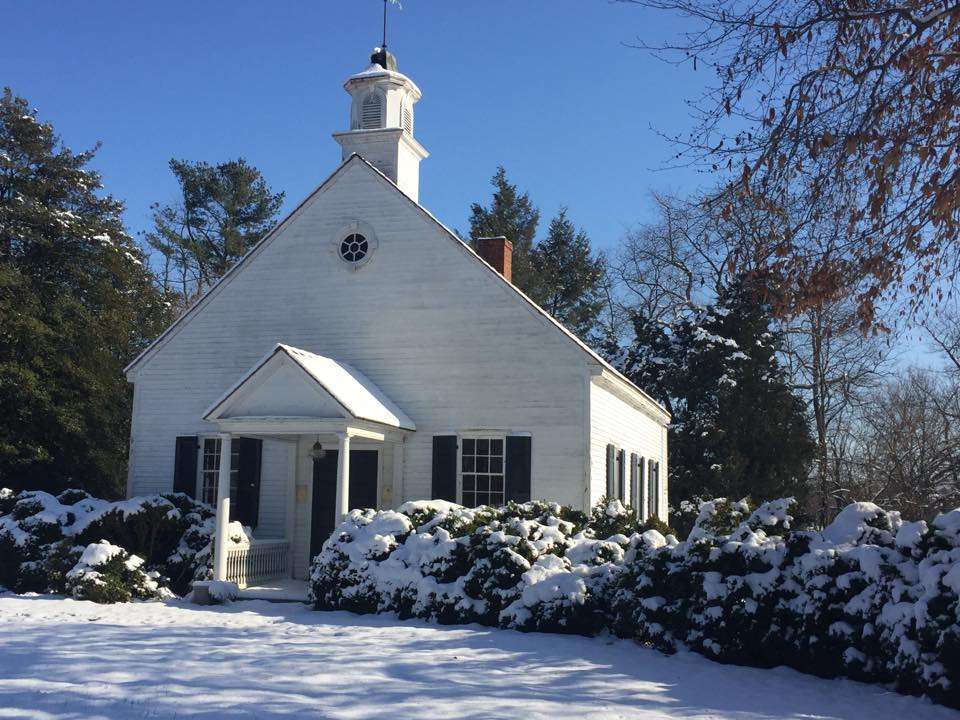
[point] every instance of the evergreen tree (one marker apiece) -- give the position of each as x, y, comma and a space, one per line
559, 273
222, 212
77, 302
737, 430
568, 276
513, 215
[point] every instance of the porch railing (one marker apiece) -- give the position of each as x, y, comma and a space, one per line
260, 561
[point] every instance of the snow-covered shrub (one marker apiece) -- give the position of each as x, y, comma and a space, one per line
612, 517
42, 536
869, 597
453, 564
106, 573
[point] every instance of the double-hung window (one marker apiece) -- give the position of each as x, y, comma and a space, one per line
482, 471
616, 474
210, 470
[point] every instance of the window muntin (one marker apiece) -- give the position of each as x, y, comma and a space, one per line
354, 248
210, 470
482, 469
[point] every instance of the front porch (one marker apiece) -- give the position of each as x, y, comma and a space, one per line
330, 441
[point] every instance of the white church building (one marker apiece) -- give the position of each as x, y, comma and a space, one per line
361, 355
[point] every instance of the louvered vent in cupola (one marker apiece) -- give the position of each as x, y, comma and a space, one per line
408, 119
371, 113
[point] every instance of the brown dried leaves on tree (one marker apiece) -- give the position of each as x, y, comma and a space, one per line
847, 109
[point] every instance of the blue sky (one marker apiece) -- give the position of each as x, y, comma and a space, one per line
546, 88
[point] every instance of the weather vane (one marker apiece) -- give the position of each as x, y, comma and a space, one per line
385, 3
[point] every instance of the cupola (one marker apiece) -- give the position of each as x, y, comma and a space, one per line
381, 122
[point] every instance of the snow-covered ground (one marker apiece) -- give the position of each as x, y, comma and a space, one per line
67, 659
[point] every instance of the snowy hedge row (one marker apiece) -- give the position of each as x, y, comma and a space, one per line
870, 597
104, 551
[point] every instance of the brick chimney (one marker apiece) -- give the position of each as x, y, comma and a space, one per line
498, 252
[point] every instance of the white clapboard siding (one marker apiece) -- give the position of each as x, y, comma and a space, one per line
614, 421
450, 343
454, 347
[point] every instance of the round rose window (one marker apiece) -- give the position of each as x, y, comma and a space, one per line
354, 248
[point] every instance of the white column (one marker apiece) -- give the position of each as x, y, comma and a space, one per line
398, 493
223, 509
343, 476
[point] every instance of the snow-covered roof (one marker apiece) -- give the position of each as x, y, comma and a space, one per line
352, 390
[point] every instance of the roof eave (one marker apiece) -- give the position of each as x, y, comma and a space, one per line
130, 369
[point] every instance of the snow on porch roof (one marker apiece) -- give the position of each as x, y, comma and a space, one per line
353, 390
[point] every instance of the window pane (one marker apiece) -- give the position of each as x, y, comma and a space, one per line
481, 467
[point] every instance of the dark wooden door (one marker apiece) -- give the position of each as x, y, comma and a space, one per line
363, 491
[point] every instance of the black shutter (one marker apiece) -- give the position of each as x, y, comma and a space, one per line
611, 471
634, 494
518, 468
444, 467
621, 475
250, 452
653, 485
185, 465
642, 489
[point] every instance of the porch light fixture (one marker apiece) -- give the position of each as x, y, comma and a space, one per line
317, 452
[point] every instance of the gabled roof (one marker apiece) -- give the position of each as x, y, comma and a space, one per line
621, 379
352, 390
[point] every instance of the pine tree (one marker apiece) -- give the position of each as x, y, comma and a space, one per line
568, 276
513, 215
223, 211
738, 430
77, 302
559, 273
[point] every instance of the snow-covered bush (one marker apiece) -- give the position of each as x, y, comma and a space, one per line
869, 597
453, 564
42, 537
106, 573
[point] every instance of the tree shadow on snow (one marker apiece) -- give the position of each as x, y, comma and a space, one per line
267, 660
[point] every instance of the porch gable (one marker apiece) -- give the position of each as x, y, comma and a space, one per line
291, 383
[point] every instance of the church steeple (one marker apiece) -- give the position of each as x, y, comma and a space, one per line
381, 122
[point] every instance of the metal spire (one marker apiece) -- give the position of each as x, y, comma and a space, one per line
384, 46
